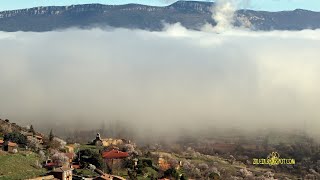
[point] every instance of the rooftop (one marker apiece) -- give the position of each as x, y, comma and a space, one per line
114, 154
11, 144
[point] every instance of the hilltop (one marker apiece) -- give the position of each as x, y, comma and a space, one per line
190, 14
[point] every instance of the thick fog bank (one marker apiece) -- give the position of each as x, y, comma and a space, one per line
160, 82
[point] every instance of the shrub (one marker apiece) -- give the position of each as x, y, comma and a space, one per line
172, 173
147, 162
203, 166
16, 138
91, 156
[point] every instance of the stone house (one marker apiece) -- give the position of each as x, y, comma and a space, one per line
8, 146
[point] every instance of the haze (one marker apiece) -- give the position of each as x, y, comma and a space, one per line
159, 82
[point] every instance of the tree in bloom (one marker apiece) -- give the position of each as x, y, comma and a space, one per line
60, 159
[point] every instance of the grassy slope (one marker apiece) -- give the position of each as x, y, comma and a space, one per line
19, 166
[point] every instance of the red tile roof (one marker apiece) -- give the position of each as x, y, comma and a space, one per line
76, 166
114, 154
11, 144
50, 165
38, 137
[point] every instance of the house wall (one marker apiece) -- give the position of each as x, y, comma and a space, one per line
10, 148
68, 175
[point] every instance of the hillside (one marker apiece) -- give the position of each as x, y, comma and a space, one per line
19, 166
224, 157
190, 14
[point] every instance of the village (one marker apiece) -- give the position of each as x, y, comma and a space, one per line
58, 160
27, 154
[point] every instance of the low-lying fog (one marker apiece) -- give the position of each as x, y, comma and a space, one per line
159, 82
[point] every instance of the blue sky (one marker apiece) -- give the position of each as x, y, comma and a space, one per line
269, 5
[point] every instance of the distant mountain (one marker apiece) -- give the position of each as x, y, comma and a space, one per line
190, 14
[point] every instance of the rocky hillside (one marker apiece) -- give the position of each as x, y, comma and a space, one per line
191, 14
7, 126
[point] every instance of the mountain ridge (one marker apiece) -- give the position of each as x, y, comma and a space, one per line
191, 14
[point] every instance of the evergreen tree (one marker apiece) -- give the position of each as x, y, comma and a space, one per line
51, 136
31, 130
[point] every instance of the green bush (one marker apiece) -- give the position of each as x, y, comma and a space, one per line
91, 156
16, 137
147, 162
172, 173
